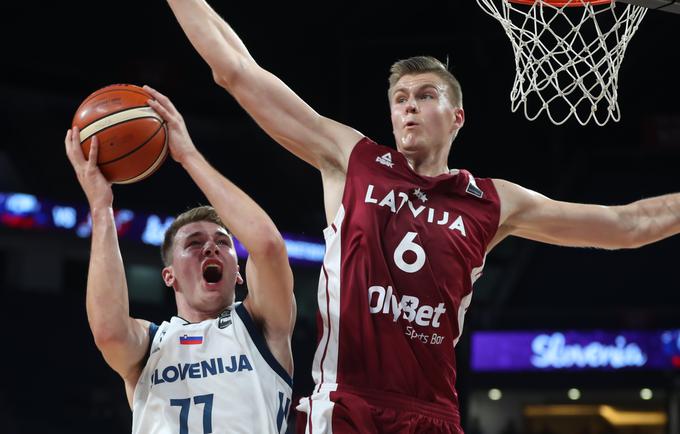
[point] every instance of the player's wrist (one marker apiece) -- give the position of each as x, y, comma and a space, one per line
101, 209
189, 157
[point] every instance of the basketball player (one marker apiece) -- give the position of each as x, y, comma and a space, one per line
407, 236
218, 366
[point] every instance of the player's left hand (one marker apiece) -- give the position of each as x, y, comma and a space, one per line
96, 187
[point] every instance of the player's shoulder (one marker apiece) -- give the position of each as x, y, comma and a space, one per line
369, 153
509, 190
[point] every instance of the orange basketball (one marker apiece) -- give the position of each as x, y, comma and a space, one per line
133, 139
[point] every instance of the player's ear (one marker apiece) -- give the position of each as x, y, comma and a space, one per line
239, 278
460, 117
168, 276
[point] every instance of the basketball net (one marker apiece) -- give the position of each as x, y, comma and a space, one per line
567, 55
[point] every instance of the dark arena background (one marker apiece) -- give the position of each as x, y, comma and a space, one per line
557, 340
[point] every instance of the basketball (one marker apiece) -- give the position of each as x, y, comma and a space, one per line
133, 139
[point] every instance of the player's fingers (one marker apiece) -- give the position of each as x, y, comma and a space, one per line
67, 141
94, 152
67, 144
158, 107
156, 94
162, 99
72, 142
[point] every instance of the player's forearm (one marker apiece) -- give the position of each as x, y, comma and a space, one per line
211, 36
242, 215
107, 298
655, 218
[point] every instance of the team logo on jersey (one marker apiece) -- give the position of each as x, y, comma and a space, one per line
190, 340
385, 160
420, 194
224, 320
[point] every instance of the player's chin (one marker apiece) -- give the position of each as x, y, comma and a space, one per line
411, 146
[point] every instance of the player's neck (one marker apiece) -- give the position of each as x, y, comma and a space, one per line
196, 316
427, 160
428, 166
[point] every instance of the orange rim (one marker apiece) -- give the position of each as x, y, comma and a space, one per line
562, 3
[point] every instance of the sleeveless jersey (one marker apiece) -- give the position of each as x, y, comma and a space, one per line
401, 256
217, 376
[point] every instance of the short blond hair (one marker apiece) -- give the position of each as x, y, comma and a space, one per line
422, 65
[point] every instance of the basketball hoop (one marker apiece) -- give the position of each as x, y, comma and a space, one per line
567, 55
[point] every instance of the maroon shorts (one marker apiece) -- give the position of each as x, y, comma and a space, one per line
350, 412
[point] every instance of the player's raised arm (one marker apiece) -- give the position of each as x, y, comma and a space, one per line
122, 340
270, 280
320, 141
531, 215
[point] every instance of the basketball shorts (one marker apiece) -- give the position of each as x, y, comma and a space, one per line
353, 411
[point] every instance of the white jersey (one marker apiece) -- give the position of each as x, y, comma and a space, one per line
217, 376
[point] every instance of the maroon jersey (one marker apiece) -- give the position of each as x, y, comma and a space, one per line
402, 255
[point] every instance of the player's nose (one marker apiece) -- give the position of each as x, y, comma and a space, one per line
209, 248
411, 106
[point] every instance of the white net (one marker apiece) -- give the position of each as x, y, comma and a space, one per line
567, 57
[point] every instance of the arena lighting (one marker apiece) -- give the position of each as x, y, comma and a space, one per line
574, 394
622, 418
614, 416
646, 394
28, 212
495, 394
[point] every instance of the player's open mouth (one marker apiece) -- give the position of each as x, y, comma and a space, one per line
212, 272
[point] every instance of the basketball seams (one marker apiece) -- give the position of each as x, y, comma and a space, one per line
161, 158
120, 157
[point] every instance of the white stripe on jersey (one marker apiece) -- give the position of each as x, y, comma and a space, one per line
319, 407
462, 309
319, 410
214, 376
325, 365
465, 301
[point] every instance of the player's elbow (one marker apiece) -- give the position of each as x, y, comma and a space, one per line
636, 231
626, 238
105, 336
227, 74
105, 340
270, 244
222, 80
627, 230
637, 238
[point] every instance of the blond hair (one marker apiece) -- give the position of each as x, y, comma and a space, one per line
422, 65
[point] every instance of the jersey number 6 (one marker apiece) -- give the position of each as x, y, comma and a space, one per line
407, 245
